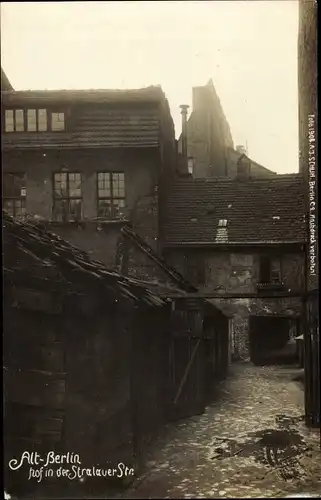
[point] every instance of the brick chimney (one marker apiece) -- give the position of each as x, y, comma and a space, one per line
243, 168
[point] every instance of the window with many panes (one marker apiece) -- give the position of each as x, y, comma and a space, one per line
111, 194
33, 120
37, 120
14, 120
14, 193
67, 196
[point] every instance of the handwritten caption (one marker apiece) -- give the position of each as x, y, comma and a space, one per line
65, 466
312, 197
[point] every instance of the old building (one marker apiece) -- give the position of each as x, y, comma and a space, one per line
241, 243
209, 142
86, 161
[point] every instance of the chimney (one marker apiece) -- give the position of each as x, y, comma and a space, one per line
184, 108
241, 149
243, 168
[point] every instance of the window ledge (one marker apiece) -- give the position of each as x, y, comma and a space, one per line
111, 221
82, 223
270, 286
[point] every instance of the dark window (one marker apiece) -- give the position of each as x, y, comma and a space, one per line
67, 196
111, 194
14, 193
195, 269
270, 271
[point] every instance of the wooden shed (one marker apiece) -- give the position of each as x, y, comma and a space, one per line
95, 362
69, 329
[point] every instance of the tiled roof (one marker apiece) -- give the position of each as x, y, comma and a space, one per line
52, 250
95, 119
148, 94
269, 210
128, 137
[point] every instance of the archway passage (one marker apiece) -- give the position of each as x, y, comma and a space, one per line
270, 340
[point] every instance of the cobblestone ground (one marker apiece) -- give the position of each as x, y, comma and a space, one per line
252, 442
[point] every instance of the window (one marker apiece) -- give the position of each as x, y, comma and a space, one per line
14, 120
37, 120
33, 120
111, 194
67, 196
14, 193
57, 121
195, 269
270, 270
222, 223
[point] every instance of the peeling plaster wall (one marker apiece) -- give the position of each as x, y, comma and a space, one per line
236, 272
100, 240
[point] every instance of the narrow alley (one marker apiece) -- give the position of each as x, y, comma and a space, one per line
251, 442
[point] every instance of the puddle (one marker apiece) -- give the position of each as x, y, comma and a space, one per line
279, 447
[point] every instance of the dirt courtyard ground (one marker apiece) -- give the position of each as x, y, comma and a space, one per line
251, 442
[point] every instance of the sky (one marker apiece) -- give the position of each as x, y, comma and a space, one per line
248, 48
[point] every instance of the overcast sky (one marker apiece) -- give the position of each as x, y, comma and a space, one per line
249, 49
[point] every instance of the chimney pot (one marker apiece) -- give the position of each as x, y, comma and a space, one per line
184, 108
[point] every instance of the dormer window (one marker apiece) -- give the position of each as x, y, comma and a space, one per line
57, 121
14, 120
34, 120
37, 120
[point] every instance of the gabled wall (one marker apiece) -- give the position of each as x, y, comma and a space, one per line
208, 133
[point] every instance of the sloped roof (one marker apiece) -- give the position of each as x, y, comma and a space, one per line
147, 94
265, 210
53, 250
174, 275
132, 118
5, 82
256, 168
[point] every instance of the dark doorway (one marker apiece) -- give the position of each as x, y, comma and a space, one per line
270, 340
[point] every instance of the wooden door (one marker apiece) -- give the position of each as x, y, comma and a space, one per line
186, 373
